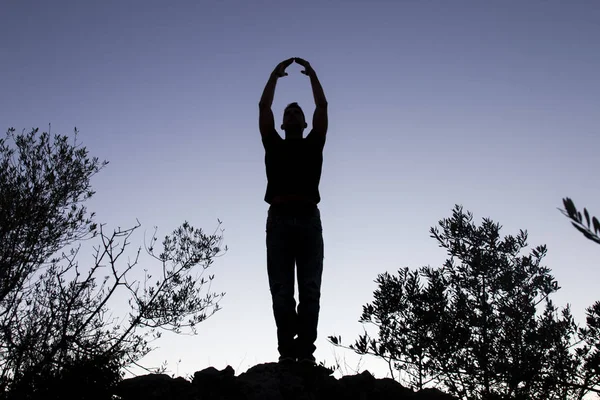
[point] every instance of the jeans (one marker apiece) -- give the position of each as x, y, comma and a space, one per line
295, 239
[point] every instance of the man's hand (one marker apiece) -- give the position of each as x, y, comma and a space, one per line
320, 119
308, 71
279, 70
266, 121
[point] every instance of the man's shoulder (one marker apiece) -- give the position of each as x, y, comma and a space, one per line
271, 137
316, 138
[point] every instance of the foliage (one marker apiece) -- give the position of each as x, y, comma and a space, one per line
590, 229
483, 324
590, 335
404, 332
55, 324
43, 186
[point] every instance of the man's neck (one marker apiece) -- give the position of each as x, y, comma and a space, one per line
293, 136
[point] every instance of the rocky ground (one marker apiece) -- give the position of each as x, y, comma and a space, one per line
270, 381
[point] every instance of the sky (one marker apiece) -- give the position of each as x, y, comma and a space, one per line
490, 105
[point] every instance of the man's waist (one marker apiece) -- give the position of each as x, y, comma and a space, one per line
293, 205
296, 199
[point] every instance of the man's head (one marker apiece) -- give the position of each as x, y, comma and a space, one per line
294, 121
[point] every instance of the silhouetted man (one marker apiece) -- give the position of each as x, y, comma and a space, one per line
294, 232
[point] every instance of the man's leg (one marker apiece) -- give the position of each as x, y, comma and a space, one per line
280, 270
309, 262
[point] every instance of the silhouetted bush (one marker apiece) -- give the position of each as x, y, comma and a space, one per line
483, 324
590, 335
56, 331
82, 379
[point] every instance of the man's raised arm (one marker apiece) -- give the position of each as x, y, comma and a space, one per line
320, 120
266, 121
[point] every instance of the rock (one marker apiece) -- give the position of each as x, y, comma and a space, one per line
389, 389
210, 383
433, 394
270, 381
155, 387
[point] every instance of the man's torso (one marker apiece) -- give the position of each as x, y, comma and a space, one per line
293, 169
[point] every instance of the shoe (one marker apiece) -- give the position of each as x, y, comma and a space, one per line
286, 360
309, 361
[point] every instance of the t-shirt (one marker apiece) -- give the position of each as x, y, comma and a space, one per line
293, 166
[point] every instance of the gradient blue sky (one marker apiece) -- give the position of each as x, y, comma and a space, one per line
492, 105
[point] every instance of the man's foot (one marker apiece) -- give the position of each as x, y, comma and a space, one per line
286, 360
307, 360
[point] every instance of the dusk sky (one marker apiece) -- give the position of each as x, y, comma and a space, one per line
494, 105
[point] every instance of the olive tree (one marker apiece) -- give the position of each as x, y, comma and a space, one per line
55, 323
483, 324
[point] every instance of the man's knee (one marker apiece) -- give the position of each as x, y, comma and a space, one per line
282, 291
309, 290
